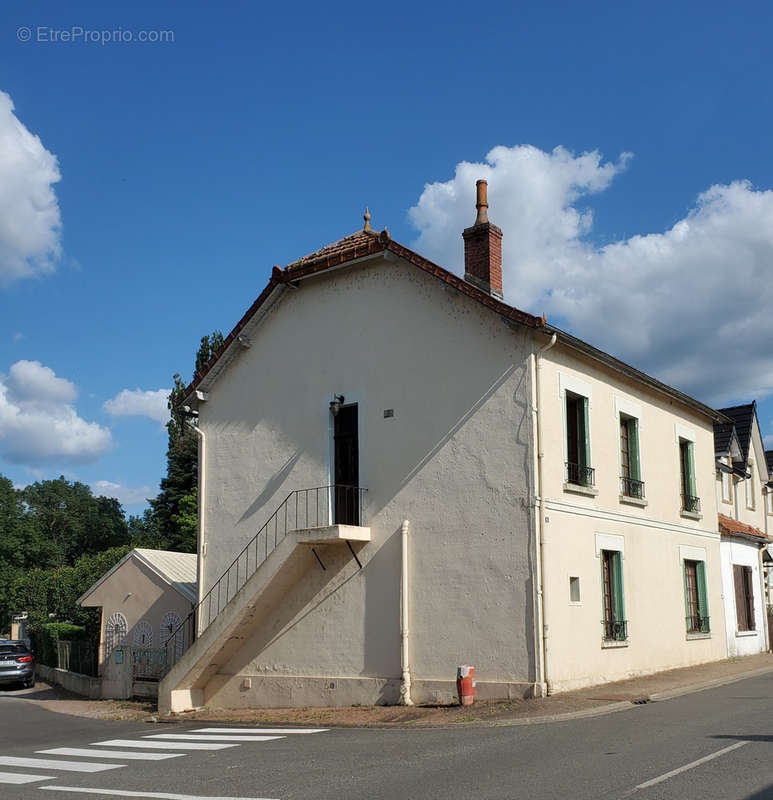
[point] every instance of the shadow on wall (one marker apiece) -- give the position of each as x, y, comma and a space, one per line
272, 486
523, 432
381, 619
310, 588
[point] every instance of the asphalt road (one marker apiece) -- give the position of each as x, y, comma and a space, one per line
728, 731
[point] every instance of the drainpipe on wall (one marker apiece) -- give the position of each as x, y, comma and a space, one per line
763, 597
202, 488
542, 621
405, 685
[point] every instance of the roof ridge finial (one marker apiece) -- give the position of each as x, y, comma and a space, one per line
366, 217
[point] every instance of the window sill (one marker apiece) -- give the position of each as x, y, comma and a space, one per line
633, 501
691, 636
742, 634
611, 644
691, 515
588, 491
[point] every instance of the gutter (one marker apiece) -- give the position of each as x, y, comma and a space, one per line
405, 686
200, 543
541, 572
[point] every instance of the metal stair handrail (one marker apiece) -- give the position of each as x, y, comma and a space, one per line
302, 508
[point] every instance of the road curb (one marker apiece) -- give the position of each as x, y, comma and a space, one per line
699, 687
656, 697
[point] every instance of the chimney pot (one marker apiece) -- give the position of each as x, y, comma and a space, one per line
483, 248
482, 202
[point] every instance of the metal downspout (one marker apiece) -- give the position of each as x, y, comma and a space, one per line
201, 492
405, 685
542, 619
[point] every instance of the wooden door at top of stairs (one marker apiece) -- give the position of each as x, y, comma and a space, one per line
346, 469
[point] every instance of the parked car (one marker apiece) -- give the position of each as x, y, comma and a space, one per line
17, 664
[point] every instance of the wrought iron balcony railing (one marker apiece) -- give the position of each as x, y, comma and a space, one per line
303, 508
698, 624
691, 504
615, 630
579, 475
630, 487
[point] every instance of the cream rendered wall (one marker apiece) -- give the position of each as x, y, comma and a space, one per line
727, 507
139, 594
742, 643
454, 460
654, 538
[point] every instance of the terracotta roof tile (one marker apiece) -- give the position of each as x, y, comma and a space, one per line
728, 527
360, 239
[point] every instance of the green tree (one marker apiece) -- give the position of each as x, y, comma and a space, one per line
174, 519
72, 521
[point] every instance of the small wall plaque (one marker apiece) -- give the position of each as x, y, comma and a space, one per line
388, 412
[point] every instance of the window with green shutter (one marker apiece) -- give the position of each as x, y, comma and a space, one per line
630, 467
690, 501
578, 464
695, 597
615, 623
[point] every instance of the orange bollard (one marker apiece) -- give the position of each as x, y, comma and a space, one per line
465, 684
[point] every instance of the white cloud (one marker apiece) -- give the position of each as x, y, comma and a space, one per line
676, 304
38, 420
124, 494
30, 223
140, 403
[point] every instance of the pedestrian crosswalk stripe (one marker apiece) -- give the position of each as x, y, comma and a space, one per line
152, 795
17, 777
132, 756
164, 745
204, 737
282, 731
50, 763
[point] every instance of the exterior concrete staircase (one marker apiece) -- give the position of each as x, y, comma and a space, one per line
271, 563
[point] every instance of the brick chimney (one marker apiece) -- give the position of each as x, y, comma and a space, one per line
483, 248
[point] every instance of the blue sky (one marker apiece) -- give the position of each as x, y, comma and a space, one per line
189, 167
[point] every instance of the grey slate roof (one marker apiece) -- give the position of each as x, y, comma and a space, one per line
769, 460
723, 436
743, 418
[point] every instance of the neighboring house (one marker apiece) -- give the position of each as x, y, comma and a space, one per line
144, 598
744, 501
400, 473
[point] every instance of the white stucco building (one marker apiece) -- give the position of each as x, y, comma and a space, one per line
401, 473
744, 501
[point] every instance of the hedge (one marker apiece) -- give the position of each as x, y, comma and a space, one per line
44, 640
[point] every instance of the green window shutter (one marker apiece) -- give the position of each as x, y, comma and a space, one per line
618, 601
690, 465
686, 594
703, 598
633, 448
584, 438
